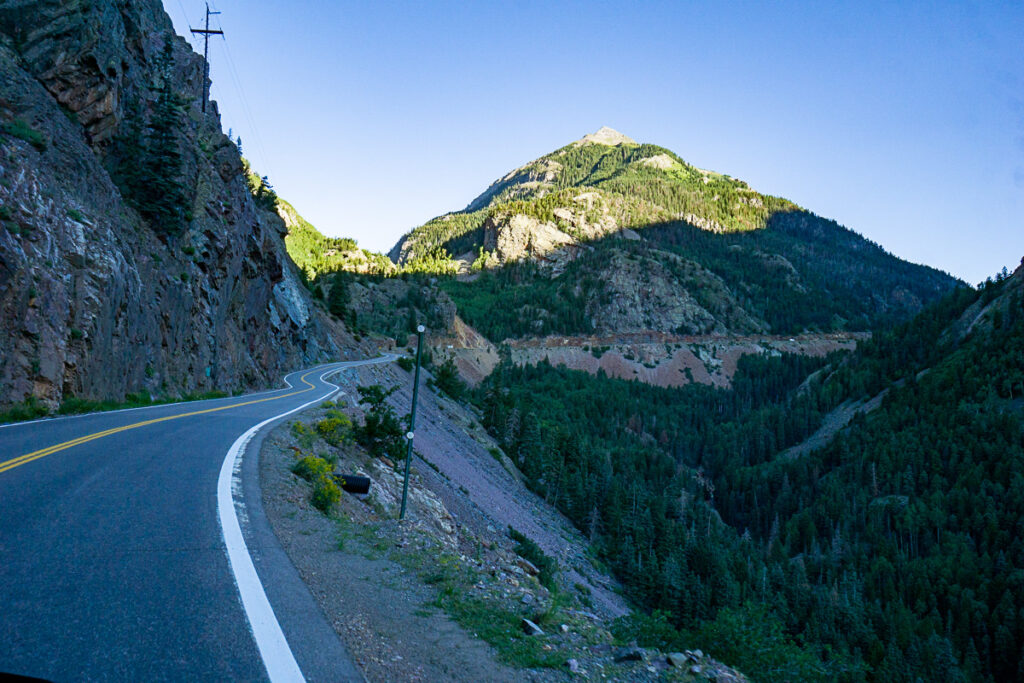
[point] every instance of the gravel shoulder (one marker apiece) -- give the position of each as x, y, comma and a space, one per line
381, 612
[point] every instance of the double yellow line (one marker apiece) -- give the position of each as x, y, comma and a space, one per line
49, 450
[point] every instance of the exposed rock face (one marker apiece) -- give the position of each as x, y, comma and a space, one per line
521, 237
606, 136
92, 301
668, 360
555, 243
642, 293
534, 178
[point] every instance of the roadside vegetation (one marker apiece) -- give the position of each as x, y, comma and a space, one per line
34, 409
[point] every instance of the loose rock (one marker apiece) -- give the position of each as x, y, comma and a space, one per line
676, 658
530, 628
527, 566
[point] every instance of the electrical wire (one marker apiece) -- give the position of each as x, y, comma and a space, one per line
247, 110
188, 21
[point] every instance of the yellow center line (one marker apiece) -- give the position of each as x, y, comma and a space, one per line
49, 450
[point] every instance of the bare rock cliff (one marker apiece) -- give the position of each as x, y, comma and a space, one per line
94, 301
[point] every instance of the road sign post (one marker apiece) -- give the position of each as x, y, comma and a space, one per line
412, 417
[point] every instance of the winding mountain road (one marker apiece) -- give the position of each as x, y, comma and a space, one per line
133, 547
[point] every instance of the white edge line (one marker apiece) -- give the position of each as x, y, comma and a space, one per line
270, 640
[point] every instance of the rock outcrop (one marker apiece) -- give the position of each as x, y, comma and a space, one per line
93, 301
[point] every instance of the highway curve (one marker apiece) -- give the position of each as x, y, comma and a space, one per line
113, 563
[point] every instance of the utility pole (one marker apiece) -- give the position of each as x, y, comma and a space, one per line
412, 419
206, 51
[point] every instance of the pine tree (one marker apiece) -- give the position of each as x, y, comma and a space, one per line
161, 196
338, 297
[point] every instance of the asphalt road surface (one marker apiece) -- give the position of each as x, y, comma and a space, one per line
133, 547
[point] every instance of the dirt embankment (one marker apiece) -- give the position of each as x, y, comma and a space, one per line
477, 488
443, 595
655, 358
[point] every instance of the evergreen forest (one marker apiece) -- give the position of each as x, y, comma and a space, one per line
892, 553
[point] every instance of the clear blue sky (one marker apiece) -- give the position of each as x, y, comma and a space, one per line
903, 121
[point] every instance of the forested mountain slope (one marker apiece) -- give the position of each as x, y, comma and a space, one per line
608, 235
892, 553
133, 257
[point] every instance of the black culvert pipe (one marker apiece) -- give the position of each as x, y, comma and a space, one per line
353, 483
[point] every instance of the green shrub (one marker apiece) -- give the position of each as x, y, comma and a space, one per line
382, 432
335, 429
21, 130
648, 630
312, 468
76, 215
319, 472
326, 494
305, 436
76, 333
188, 250
446, 378
406, 363
752, 638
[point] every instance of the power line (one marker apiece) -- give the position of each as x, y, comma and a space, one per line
245, 102
188, 22
206, 33
232, 70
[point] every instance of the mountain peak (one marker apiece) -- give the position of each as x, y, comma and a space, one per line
606, 136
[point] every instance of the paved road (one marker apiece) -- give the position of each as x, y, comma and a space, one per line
114, 560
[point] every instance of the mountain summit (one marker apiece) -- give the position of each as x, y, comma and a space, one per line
609, 235
606, 136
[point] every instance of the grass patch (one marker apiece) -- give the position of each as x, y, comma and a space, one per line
32, 409
78, 406
500, 628
21, 130
29, 409
496, 625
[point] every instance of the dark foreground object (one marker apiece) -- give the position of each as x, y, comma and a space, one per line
353, 483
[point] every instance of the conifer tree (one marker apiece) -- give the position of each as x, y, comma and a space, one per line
161, 195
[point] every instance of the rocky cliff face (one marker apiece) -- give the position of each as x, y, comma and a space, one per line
93, 301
